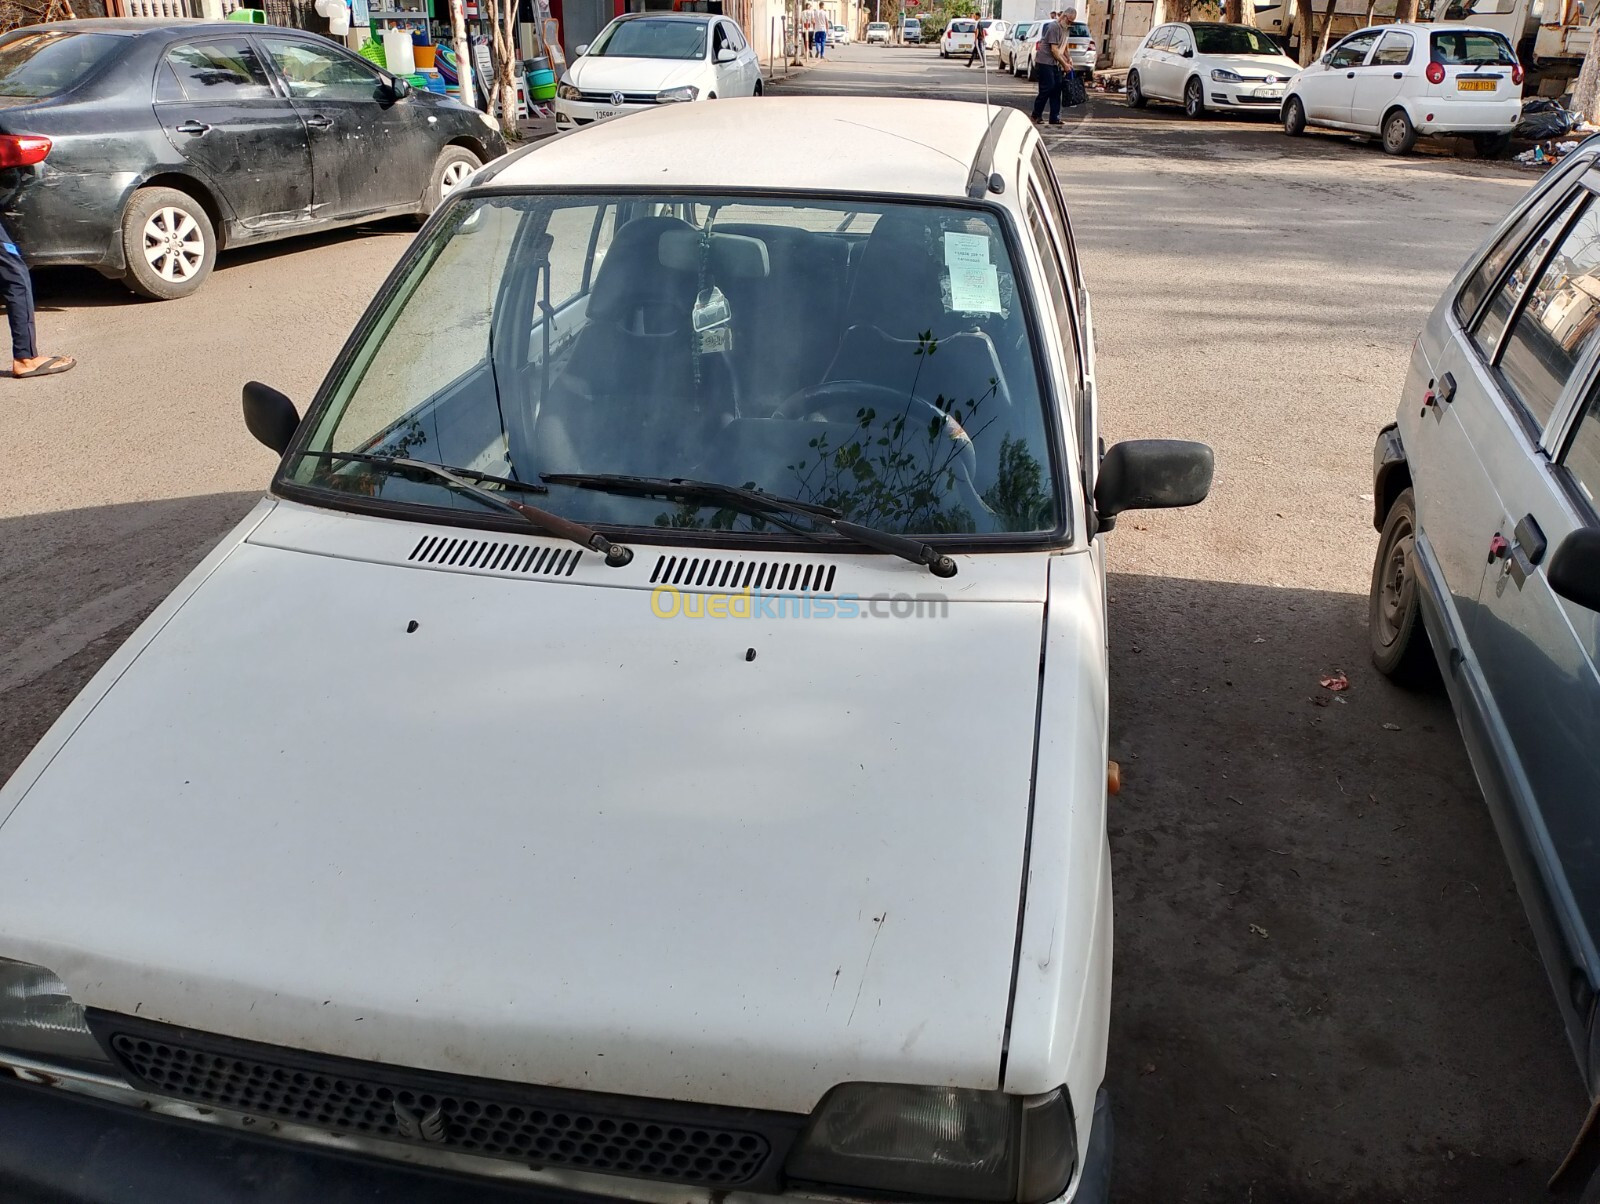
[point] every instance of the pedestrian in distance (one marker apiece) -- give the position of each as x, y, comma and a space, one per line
1051, 65
821, 34
16, 288
977, 55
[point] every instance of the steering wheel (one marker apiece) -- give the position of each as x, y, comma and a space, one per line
837, 401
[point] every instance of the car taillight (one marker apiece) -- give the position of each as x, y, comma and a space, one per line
1516, 73
1435, 73
1091, 43
23, 150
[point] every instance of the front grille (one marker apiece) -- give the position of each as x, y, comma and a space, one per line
628, 98
543, 1127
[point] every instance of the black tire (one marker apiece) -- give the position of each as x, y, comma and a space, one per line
1194, 98
1136, 97
1395, 630
1491, 146
451, 170
1294, 117
168, 242
1399, 135
757, 92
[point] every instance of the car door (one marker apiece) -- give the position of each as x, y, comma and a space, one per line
749, 64
1151, 61
370, 152
1177, 59
1536, 651
217, 105
1328, 90
1379, 80
730, 75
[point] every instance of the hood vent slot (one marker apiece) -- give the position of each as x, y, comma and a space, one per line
493, 556
724, 573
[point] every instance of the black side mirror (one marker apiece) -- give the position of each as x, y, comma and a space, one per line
399, 88
270, 415
1187, 53
1151, 474
1574, 571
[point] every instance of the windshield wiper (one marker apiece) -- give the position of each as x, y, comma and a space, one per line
457, 478
763, 505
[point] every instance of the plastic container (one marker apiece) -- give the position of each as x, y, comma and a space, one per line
372, 52
536, 64
541, 84
397, 52
253, 16
436, 82
423, 56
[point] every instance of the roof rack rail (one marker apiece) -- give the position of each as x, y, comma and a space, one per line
983, 178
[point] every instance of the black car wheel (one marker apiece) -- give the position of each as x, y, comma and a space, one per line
1194, 98
168, 242
452, 169
1294, 117
1136, 97
1399, 135
1394, 622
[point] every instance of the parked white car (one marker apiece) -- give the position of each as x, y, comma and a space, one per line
1209, 65
1398, 82
838, 35
651, 741
877, 33
648, 59
957, 37
1024, 50
1081, 52
1006, 49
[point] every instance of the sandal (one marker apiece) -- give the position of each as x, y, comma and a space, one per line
54, 365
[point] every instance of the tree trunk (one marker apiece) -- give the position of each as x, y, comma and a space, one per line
1405, 10
1327, 28
1586, 90
463, 49
1233, 11
507, 62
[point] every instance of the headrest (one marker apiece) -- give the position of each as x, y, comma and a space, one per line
730, 254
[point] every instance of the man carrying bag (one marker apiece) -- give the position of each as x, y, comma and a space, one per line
1052, 67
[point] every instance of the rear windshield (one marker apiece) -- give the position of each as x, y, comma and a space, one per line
878, 25
961, 27
1233, 39
1472, 49
46, 63
647, 39
1078, 29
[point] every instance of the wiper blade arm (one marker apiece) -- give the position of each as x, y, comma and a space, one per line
752, 501
616, 555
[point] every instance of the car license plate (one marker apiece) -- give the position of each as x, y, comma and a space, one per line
1475, 85
1269, 93
599, 113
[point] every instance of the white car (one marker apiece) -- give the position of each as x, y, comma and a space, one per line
1081, 52
877, 33
838, 35
1401, 81
1024, 50
957, 37
1206, 65
650, 742
649, 59
1006, 49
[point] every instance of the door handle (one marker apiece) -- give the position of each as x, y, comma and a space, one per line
193, 127
1527, 550
318, 122
1399, 74
1349, 74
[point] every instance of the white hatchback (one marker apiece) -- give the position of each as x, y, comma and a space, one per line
1401, 81
1205, 65
650, 743
957, 37
641, 61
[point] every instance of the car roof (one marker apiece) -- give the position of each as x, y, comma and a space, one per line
135, 26
688, 18
784, 145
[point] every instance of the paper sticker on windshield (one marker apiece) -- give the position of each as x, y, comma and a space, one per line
965, 251
974, 282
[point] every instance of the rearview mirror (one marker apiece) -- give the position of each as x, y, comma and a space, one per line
1574, 571
579, 51
269, 415
726, 56
1151, 474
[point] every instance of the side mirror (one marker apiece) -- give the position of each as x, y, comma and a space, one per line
399, 88
1574, 571
579, 51
270, 415
1151, 474
726, 56
1188, 53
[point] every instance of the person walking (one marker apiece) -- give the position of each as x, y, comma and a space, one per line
977, 55
821, 34
1051, 65
16, 288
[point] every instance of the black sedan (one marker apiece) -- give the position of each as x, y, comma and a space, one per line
141, 149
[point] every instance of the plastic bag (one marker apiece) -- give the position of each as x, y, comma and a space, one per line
1543, 119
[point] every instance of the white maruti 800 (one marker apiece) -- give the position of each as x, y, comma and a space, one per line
650, 742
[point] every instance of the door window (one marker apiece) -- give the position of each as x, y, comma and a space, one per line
1582, 458
1500, 256
1352, 52
221, 71
167, 85
322, 72
1559, 318
1160, 39
1394, 50
1058, 210
1180, 40
582, 234
1054, 276
1503, 302
735, 38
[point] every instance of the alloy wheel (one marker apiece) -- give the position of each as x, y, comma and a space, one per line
174, 244
454, 176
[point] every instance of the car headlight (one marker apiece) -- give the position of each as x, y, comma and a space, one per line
687, 92
39, 1017
487, 120
1227, 77
567, 92
947, 1143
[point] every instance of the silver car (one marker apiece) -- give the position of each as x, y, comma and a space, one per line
1487, 495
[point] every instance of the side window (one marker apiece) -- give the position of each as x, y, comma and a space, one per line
1160, 39
1180, 40
316, 72
719, 39
1059, 304
1058, 209
735, 38
1394, 50
222, 71
581, 235
1582, 458
1503, 303
1352, 52
167, 85
1494, 263
1558, 322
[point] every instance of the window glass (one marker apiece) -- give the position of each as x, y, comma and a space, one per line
1232, 39
736, 38
652, 38
1078, 29
1475, 49
1558, 323
1160, 39
46, 62
1180, 40
1058, 210
1478, 284
167, 85
719, 39
1582, 460
1394, 50
1352, 52
892, 377
224, 70
1503, 303
1059, 302
322, 72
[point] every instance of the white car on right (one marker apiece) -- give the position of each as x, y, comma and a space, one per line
1399, 82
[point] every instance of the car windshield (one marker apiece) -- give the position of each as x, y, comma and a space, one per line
962, 26
878, 25
1233, 39
48, 62
1474, 49
1021, 31
872, 357
644, 38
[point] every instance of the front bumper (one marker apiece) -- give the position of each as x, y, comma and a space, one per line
1447, 115
1252, 94
571, 113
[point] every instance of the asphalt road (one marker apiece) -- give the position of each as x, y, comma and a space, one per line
1325, 987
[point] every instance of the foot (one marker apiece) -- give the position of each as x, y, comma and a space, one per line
1058, 123
42, 365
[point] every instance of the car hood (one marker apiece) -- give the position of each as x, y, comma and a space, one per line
528, 830
604, 74
1249, 65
